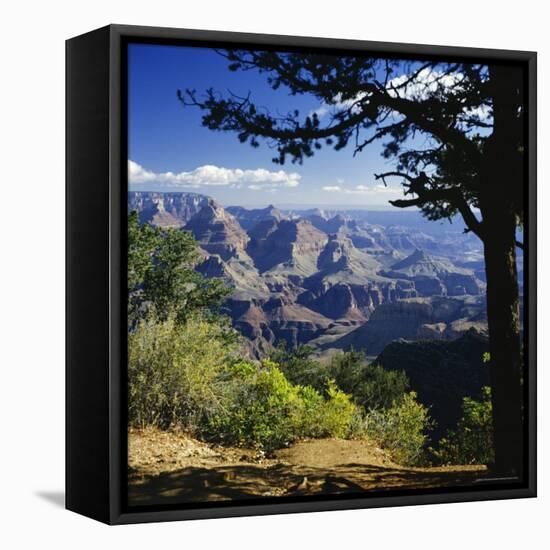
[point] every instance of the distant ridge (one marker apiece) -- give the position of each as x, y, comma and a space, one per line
325, 277
417, 256
166, 209
248, 218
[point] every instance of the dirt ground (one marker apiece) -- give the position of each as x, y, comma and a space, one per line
171, 467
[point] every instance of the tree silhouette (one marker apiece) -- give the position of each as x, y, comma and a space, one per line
455, 131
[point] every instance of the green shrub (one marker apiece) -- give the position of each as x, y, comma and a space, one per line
299, 368
402, 429
308, 413
188, 375
371, 386
269, 412
472, 441
262, 411
175, 371
338, 412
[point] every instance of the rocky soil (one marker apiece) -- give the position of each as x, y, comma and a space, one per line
170, 467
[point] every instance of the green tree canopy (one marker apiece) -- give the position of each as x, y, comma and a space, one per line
161, 274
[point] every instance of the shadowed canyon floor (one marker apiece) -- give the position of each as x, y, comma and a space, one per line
170, 467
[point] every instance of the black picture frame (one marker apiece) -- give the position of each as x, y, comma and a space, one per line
96, 211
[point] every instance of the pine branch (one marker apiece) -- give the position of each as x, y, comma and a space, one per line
426, 196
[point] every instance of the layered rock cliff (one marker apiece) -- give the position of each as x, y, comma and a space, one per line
329, 280
166, 209
434, 318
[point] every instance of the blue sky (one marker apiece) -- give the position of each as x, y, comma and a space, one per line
170, 150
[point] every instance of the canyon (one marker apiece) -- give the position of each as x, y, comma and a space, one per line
331, 279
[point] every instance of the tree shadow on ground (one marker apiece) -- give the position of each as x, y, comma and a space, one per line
234, 482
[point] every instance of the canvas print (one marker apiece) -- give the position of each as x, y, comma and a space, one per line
325, 258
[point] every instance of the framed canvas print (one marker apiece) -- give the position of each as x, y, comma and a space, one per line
301, 274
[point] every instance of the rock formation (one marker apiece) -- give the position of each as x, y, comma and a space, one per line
166, 209
248, 218
434, 318
323, 278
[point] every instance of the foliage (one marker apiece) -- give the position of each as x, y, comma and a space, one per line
402, 429
185, 374
472, 441
371, 386
267, 411
298, 366
175, 370
262, 411
161, 274
339, 414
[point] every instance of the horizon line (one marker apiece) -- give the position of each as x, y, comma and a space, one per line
284, 205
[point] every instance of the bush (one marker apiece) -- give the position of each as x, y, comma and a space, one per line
371, 386
338, 413
267, 411
299, 368
188, 375
262, 413
472, 441
175, 371
402, 429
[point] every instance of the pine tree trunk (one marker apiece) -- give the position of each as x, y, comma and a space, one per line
505, 345
500, 203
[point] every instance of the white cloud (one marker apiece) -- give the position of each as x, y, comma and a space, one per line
138, 174
427, 83
338, 104
210, 175
431, 82
332, 188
